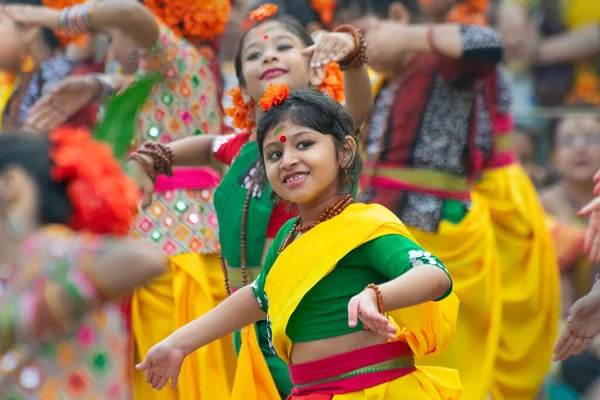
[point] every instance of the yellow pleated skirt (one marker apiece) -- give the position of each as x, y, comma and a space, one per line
530, 283
469, 251
192, 287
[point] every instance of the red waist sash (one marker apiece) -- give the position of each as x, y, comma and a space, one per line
351, 372
188, 178
504, 153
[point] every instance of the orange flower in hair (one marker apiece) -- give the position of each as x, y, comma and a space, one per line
240, 112
470, 12
274, 96
103, 198
325, 9
260, 14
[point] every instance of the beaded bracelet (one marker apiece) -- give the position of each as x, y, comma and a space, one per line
379, 296
146, 165
162, 155
358, 57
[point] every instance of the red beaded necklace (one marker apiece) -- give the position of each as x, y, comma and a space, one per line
330, 212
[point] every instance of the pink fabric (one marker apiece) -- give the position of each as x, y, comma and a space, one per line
304, 374
502, 160
377, 181
188, 178
503, 123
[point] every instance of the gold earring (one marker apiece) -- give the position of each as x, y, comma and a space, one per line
27, 63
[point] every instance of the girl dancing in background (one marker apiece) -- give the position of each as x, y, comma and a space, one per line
181, 222
61, 330
275, 49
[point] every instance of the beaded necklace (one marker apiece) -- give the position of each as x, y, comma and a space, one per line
330, 212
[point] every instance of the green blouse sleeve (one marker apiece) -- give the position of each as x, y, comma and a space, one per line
258, 286
394, 255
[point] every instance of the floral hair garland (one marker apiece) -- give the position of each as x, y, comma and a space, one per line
243, 113
63, 38
103, 198
193, 19
262, 13
274, 96
325, 9
470, 12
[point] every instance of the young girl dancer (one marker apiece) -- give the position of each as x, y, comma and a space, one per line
530, 274
61, 331
276, 49
332, 274
422, 156
181, 222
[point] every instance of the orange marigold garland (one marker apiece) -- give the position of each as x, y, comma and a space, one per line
333, 83
470, 12
193, 19
260, 14
325, 9
241, 113
103, 198
65, 39
274, 96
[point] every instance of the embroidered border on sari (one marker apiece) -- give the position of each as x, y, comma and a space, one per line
436, 183
188, 178
352, 371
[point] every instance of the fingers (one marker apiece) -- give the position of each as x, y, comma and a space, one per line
595, 248
590, 207
353, 311
563, 348
144, 365
162, 383
156, 378
147, 198
309, 51
174, 381
597, 176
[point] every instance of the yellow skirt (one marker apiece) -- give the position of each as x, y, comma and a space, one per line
530, 283
192, 287
469, 251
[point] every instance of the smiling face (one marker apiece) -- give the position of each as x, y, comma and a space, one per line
578, 147
301, 164
272, 54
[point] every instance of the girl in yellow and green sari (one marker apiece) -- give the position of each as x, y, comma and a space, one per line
332, 275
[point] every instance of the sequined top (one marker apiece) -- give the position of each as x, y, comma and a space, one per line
51, 355
185, 104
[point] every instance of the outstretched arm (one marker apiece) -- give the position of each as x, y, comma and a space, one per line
130, 17
102, 272
164, 360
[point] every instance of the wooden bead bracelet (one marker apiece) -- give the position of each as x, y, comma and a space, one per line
358, 57
377, 291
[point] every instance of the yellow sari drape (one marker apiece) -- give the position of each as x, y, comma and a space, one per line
468, 250
192, 287
253, 379
428, 328
530, 283
8, 82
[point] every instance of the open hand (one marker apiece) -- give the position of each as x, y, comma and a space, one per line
162, 363
64, 101
385, 55
332, 47
583, 324
363, 306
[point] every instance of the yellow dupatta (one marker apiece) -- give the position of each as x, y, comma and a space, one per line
428, 328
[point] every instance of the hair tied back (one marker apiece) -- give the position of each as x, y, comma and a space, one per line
274, 96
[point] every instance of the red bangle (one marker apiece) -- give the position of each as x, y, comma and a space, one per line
430, 39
